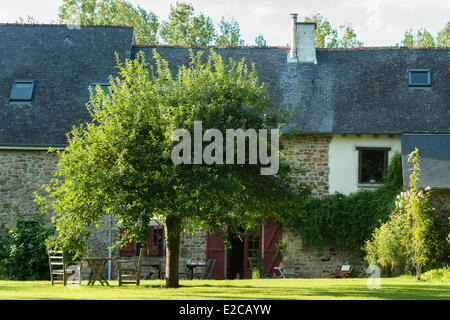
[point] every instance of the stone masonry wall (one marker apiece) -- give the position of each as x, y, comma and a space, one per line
21, 173
311, 151
314, 263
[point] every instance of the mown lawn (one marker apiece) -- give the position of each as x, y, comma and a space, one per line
403, 288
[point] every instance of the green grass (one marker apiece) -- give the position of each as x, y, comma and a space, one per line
403, 288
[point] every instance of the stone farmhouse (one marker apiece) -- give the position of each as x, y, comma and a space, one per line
352, 110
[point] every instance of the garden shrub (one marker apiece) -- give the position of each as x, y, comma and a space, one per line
411, 236
23, 254
385, 249
348, 221
441, 274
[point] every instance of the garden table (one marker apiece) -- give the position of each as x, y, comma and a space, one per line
97, 265
191, 266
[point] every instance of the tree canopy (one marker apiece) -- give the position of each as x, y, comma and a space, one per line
423, 38
111, 12
329, 37
120, 163
184, 27
230, 33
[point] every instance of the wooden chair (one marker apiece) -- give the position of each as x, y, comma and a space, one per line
344, 271
162, 268
211, 269
128, 274
63, 271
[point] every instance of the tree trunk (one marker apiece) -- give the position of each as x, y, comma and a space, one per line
173, 229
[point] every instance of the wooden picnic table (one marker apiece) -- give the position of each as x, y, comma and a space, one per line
97, 265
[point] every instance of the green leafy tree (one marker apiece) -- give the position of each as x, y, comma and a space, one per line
408, 39
230, 34
121, 161
443, 37
348, 38
23, 254
184, 27
28, 19
260, 41
326, 35
111, 12
329, 37
423, 38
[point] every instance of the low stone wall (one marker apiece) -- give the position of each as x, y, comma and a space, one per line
313, 263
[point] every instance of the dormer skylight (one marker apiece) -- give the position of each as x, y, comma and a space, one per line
419, 77
22, 90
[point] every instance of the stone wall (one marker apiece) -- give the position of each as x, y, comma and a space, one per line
315, 263
312, 152
193, 246
21, 173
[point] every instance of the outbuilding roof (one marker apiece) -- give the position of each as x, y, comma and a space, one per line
434, 153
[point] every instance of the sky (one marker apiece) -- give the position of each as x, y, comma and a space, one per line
376, 22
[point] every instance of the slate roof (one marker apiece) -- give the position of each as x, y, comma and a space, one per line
347, 91
63, 62
434, 151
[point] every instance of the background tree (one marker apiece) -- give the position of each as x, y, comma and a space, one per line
230, 34
111, 12
28, 19
443, 37
184, 27
423, 38
121, 161
348, 38
326, 35
260, 41
329, 37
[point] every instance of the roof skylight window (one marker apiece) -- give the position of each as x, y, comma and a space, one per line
419, 77
22, 90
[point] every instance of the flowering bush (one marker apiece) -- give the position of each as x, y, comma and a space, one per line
442, 274
408, 236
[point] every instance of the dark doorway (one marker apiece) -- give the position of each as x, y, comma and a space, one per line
236, 257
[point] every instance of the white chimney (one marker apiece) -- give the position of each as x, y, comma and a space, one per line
303, 42
293, 52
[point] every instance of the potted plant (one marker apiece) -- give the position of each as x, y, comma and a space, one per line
283, 252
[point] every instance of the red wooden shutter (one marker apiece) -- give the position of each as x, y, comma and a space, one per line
215, 249
128, 250
272, 235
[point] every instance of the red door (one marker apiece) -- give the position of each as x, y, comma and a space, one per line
252, 251
128, 250
215, 249
272, 235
